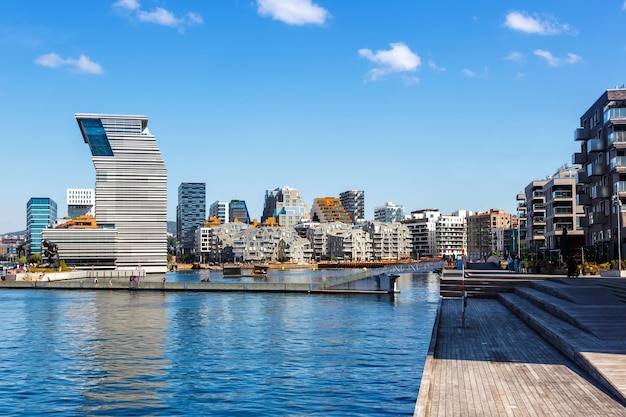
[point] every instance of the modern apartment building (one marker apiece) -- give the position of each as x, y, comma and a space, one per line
329, 209
130, 198
41, 212
285, 205
535, 211
389, 213
390, 241
238, 211
450, 236
190, 214
563, 233
219, 210
353, 201
601, 188
80, 202
483, 238
423, 227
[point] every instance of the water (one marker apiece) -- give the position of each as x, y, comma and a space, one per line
106, 353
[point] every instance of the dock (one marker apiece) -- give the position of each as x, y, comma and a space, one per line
548, 347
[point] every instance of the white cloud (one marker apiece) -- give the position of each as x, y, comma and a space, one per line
127, 4
624, 5
82, 65
554, 61
469, 72
434, 66
293, 12
523, 22
397, 59
515, 57
159, 16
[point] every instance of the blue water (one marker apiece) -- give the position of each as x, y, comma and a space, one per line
103, 353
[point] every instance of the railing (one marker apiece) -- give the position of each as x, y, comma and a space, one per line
618, 136
563, 210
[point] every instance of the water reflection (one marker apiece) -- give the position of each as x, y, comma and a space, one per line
135, 353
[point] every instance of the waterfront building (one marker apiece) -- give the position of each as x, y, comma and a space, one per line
130, 198
214, 244
522, 223
41, 213
423, 227
353, 201
238, 212
349, 245
80, 202
535, 211
318, 233
190, 214
390, 241
329, 209
601, 189
271, 244
219, 210
389, 213
563, 233
483, 239
285, 205
450, 236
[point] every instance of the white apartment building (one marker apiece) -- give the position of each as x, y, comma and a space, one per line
219, 210
389, 213
275, 244
80, 202
390, 241
349, 245
318, 236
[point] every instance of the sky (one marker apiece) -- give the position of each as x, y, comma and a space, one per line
444, 105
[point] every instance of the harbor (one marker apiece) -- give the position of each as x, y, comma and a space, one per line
538, 346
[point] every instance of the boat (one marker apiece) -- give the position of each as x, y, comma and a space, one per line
232, 271
260, 270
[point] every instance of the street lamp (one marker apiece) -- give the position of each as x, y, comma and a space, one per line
618, 203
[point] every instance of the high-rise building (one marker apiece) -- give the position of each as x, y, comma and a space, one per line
285, 205
41, 212
219, 210
131, 187
238, 211
601, 180
80, 202
353, 201
190, 214
389, 213
328, 210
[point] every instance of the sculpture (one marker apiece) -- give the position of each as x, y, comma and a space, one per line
52, 253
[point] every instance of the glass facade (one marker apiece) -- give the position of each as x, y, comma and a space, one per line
40, 213
96, 137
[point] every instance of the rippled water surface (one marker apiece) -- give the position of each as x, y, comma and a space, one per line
215, 354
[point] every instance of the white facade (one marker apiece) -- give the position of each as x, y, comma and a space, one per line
80, 202
390, 241
389, 213
281, 244
219, 210
131, 187
349, 245
318, 236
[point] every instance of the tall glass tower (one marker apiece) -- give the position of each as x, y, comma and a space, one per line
190, 213
237, 209
131, 187
41, 212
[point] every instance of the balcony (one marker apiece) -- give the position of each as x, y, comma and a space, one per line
563, 210
583, 200
596, 169
617, 138
600, 191
614, 113
582, 177
581, 134
618, 162
599, 218
579, 158
619, 187
596, 145
560, 226
584, 222
561, 194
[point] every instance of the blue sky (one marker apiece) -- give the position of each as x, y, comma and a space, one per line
447, 104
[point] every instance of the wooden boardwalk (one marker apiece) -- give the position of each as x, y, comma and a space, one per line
498, 366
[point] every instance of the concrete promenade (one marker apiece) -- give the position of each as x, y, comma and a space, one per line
553, 348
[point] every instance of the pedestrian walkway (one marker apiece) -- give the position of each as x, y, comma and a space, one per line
498, 366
